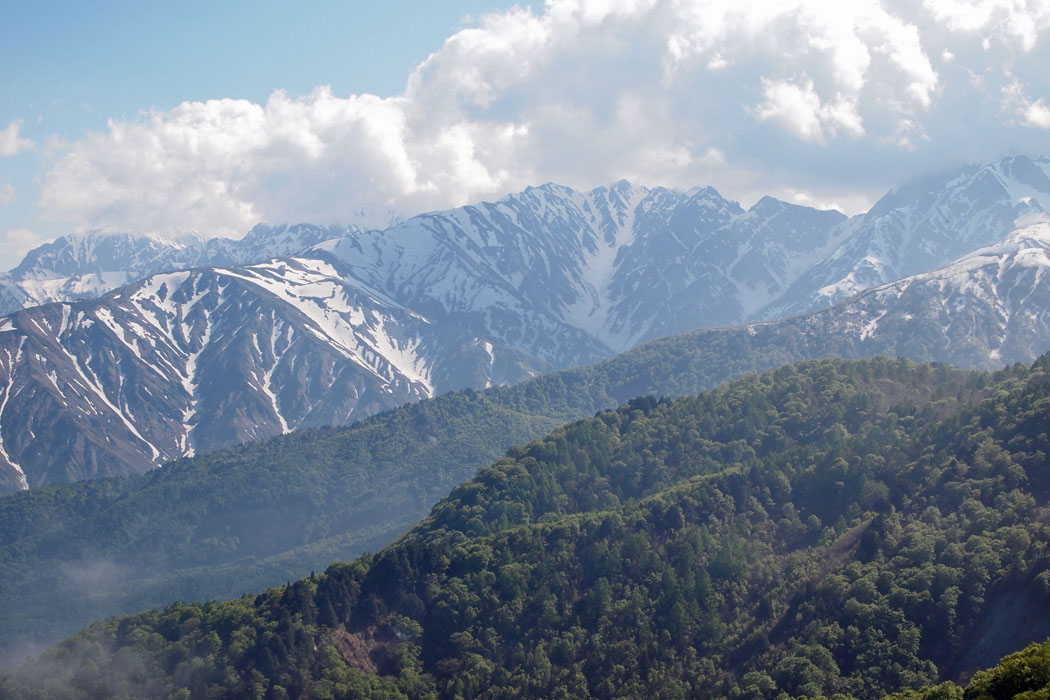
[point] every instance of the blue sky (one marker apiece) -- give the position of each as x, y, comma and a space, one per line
69, 67
209, 117
73, 65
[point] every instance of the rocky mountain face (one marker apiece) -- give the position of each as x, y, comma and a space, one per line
984, 310
196, 360
622, 264
358, 321
920, 226
988, 308
597, 260
84, 266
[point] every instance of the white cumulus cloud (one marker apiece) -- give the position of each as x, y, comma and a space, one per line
11, 144
1029, 112
1020, 22
1038, 114
798, 106
825, 101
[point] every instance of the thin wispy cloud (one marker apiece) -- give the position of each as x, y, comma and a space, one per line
813, 101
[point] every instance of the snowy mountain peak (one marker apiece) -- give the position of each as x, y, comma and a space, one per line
599, 261
921, 225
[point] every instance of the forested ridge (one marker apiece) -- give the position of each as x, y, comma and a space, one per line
834, 527
222, 524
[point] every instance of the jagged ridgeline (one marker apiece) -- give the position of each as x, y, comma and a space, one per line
858, 527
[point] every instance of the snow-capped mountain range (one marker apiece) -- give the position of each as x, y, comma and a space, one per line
920, 226
987, 309
213, 350
83, 266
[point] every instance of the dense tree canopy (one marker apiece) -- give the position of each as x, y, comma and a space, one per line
830, 528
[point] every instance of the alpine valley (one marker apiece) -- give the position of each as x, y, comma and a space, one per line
212, 344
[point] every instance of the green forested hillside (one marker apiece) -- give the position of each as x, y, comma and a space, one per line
222, 524
859, 528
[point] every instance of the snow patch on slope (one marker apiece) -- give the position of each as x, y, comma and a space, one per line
594, 302
20, 475
324, 299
